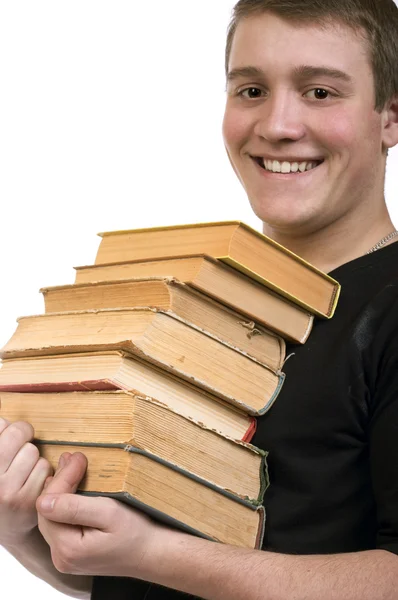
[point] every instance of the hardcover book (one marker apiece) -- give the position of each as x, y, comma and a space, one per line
166, 493
219, 281
122, 418
158, 338
176, 299
110, 371
236, 244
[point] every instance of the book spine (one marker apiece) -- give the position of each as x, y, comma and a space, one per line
274, 396
251, 431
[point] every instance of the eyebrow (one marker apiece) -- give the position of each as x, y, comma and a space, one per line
244, 72
308, 71
300, 72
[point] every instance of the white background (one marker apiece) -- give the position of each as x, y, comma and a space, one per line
110, 119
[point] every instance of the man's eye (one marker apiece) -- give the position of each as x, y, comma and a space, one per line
251, 92
320, 93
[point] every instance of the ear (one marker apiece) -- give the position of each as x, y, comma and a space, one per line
390, 124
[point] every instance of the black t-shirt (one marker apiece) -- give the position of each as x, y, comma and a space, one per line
332, 434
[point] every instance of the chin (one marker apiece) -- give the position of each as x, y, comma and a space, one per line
286, 222
288, 217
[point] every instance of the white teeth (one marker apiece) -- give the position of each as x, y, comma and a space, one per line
276, 166
286, 167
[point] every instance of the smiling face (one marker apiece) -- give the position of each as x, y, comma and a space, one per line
300, 127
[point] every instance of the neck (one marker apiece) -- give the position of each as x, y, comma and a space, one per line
335, 244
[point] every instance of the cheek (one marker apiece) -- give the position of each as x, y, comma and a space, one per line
353, 139
339, 132
235, 129
349, 131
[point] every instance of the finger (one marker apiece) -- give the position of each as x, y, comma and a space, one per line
63, 460
35, 483
22, 466
12, 439
3, 424
72, 509
52, 531
47, 482
66, 479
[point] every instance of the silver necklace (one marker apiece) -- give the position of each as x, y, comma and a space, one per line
383, 241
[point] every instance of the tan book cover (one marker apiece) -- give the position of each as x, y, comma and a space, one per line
237, 244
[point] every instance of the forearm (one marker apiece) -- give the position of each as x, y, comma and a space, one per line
34, 554
218, 572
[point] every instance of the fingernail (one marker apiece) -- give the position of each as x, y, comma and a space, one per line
63, 461
47, 503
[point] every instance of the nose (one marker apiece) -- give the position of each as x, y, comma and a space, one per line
280, 119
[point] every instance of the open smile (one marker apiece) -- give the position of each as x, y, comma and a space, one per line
286, 168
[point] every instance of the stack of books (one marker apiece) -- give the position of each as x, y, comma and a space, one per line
156, 363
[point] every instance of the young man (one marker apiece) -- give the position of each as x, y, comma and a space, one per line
312, 109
